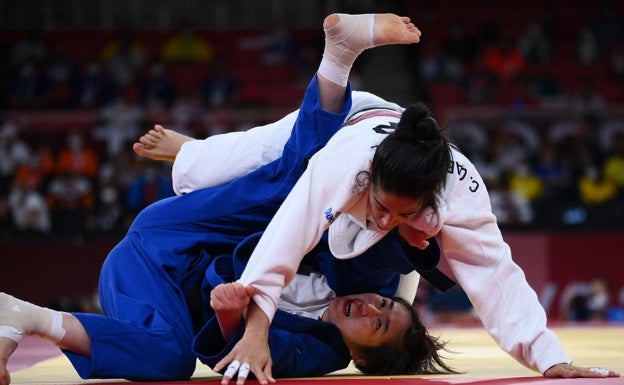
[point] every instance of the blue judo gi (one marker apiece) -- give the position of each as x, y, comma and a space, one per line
302, 346
154, 285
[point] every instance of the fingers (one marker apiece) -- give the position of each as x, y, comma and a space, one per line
601, 372
571, 371
230, 371
263, 376
236, 291
243, 372
229, 295
251, 291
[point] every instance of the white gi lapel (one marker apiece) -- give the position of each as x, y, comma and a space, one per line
348, 234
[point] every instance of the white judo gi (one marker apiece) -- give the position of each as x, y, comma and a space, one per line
325, 198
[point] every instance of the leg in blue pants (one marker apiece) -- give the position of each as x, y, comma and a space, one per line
150, 282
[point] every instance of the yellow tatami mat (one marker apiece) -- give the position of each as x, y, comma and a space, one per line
473, 352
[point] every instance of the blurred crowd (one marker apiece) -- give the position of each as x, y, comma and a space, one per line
550, 171
593, 300
74, 190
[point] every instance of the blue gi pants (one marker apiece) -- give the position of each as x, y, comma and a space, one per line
149, 279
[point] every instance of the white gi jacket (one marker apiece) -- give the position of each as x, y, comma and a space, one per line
464, 225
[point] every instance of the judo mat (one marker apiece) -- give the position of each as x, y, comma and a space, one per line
473, 353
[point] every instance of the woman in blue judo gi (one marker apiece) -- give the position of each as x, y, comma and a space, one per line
154, 285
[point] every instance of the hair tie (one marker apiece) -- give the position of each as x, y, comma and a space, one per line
431, 119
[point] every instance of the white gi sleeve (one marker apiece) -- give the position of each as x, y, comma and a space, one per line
301, 220
221, 158
471, 241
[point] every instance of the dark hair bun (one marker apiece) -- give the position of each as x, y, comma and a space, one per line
417, 123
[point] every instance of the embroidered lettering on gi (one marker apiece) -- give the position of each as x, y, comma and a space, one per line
462, 172
330, 216
384, 128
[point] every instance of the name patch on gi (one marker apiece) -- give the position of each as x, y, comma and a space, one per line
330, 216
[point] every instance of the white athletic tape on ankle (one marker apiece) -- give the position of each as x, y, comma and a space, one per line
335, 73
349, 37
56, 330
11, 333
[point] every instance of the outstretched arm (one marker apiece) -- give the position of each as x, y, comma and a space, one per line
346, 37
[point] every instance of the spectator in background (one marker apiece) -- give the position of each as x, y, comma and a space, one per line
616, 63
281, 47
503, 58
614, 164
534, 44
28, 48
70, 196
277, 47
460, 43
61, 80
578, 137
546, 89
77, 157
509, 146
108, 210
608, 26
25, 86
595, 189
14, 152
97, 87
441, 66
598, 196
119, 123
524, 182
158, 91
587, 46
587, 100
38, 170
512, 209
220, 88
553, 173
29, 209
452, 306
481, 84
148, 186
185, 47
124, 59
591, 301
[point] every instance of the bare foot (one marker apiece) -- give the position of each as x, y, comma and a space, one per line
160, 143
14, 324
348, 35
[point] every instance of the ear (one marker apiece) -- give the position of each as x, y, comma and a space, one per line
357, 359
370, 165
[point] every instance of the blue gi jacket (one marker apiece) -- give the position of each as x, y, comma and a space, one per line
302, 346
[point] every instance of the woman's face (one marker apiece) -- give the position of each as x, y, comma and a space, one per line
368, 319
388, 211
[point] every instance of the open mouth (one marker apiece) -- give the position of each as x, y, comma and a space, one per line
348, 308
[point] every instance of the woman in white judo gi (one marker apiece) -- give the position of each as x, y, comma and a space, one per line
147, 330
379, 172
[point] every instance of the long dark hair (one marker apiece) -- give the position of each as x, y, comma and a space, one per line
416, 353
413, 161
